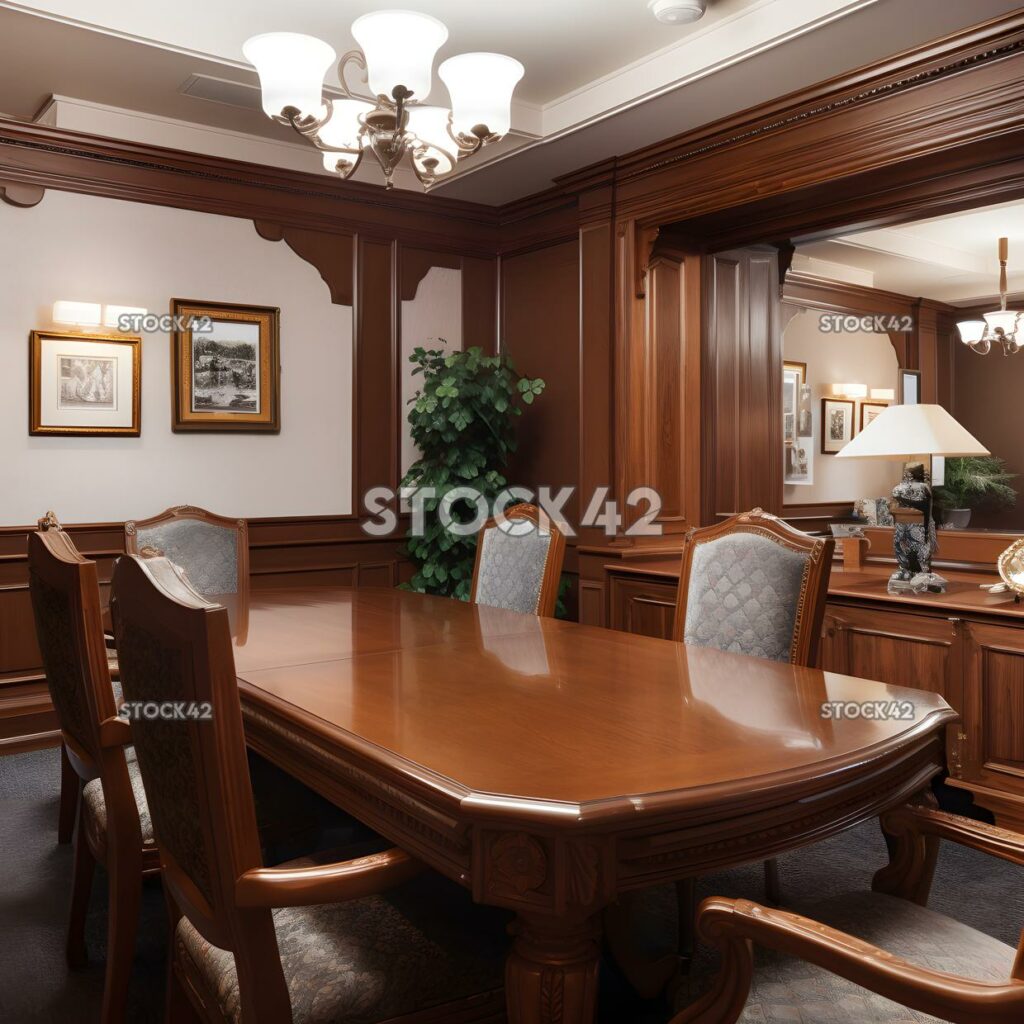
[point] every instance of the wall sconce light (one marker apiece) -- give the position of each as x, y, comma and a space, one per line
883, 394
113, 314
80, 314
849, 390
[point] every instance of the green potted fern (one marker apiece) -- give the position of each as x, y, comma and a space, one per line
970, 482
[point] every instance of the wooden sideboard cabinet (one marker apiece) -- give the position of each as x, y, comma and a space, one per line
967, 645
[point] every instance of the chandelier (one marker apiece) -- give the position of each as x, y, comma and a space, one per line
999, 325
397, 58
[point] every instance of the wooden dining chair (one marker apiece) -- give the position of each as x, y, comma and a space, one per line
753, 585
212, 550
519, 568
300, 942
867, 956
113, 820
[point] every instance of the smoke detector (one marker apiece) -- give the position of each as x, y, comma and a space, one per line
678, 12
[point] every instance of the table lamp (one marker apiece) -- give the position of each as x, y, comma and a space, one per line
912, 433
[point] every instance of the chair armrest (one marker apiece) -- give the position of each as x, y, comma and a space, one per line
918, 820
327, 883
733, 925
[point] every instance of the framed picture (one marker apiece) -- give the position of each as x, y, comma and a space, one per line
792, 381
225, 367
870, 411
910, 387
798, 465
84, 385
836, 424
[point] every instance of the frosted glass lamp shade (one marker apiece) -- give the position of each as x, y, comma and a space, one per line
1004, 318
430, 126
291, 67
84, 314
112, 314
399, 47
971, 330
343, 126
902, 432
481, 87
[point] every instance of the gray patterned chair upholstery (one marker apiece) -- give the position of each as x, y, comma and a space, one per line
94, 805
518, 569
375, 959
789, 989
743, 596
205, 546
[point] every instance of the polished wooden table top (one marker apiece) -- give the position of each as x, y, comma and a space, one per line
513, 712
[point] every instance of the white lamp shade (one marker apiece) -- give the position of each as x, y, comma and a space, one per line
971, 330
84, 314
291, 67
850, 390
902, 432
481, 87
343, 126
430, 126
1004, 318
113, 314
399, 47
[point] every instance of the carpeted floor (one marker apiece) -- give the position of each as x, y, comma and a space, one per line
36, 985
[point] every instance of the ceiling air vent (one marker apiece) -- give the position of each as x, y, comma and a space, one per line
220, 90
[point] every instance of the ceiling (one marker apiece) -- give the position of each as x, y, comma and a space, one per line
603, 77
951, 259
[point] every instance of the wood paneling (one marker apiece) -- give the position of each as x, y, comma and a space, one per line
647, 607
742, 363
540, 332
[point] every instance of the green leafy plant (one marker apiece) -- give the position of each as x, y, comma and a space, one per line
976, 480
463, 422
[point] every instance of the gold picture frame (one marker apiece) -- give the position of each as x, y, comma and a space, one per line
84, 385
225, 367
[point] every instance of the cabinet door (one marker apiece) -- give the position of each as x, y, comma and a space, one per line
994, 704
895, 647
643, 606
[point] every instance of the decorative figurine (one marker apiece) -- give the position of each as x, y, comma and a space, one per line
914, 541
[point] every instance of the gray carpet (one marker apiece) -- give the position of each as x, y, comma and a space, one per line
36, 985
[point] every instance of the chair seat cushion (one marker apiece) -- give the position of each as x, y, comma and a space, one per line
789, 989
423, 944
94, 806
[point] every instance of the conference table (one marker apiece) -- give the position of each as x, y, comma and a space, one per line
549, 767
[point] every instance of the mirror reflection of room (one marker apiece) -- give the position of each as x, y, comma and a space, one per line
870, 319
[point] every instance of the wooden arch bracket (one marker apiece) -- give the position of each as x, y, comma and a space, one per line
331, 253
16, 193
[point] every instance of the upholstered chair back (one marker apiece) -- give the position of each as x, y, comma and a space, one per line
65, 594
754, 585
519, 568
175, 654
211, 549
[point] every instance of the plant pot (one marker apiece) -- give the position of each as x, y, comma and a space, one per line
956, 518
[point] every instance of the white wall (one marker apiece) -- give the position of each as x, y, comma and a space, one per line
433, 315
831, 357
106, 250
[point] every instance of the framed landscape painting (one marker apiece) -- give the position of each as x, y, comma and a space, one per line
225, 367
84, 385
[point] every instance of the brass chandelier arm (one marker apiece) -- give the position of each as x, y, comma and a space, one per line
354, 57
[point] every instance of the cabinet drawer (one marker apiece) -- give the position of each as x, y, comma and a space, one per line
644, 607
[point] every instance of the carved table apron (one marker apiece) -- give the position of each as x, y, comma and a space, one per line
549, 766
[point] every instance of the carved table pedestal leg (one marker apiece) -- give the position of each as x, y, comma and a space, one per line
551, 975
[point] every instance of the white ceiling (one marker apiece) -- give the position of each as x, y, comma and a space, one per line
603, 77
951, 259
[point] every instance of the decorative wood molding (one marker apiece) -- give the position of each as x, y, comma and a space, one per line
18, 194
331, 254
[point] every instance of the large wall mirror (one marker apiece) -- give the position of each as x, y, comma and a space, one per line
842, 365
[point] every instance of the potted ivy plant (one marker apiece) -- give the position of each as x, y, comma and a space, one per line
970, 482
463, 422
